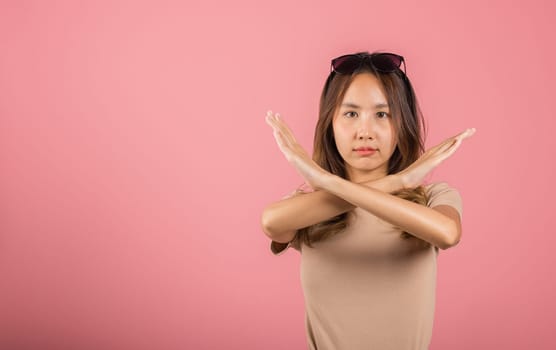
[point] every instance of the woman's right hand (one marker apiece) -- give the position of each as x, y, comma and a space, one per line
413, 175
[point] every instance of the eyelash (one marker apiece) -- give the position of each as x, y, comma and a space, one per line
387, 114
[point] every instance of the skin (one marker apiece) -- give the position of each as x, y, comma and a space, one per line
369, 187
359, 123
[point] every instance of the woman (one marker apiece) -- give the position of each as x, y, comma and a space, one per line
369, 231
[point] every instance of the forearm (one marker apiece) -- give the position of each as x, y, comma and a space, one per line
308, 209
419, 220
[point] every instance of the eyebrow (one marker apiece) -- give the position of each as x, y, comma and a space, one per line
353, 105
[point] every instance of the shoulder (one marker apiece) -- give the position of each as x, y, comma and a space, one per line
442, 193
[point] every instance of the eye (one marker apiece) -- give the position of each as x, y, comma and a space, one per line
384, 114
349, 113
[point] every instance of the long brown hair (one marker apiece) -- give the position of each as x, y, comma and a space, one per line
410, 130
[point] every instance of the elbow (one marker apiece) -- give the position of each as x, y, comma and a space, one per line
269, 228
451, 238
267, 225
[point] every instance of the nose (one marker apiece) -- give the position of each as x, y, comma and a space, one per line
366, 128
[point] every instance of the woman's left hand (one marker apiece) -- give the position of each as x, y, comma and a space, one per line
313, 174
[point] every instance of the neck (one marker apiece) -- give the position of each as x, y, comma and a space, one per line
359, 177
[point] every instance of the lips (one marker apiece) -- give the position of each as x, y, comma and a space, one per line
365, 152
365, 149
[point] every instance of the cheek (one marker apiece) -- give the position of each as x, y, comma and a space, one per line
394, 142
393, 136
342, 136
341, 130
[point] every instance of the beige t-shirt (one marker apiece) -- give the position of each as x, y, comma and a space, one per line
367, 287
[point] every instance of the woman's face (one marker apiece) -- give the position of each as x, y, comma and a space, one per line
363, 120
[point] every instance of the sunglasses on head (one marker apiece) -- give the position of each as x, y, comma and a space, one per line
384, 62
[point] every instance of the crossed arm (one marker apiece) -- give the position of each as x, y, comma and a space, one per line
439, 226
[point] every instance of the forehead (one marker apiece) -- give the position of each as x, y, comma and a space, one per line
365, 90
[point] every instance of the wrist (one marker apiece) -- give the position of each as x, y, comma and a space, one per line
387, 184
328, 181
397, 182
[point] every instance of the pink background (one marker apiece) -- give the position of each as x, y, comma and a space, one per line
135, 165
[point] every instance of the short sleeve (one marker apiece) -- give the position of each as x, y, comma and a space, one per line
278, 248
441, 193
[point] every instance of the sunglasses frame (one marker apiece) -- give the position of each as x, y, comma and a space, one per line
362, 57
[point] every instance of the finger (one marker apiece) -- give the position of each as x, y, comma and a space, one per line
286, 146
453, 149
468, 133
465, 133
282, 146
282, 131
268, 120
275, 131
288, 134
444, 144
273, 122
280, 140
441, 147
268, 117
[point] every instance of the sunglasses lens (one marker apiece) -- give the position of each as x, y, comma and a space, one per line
346, 64
386, 62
